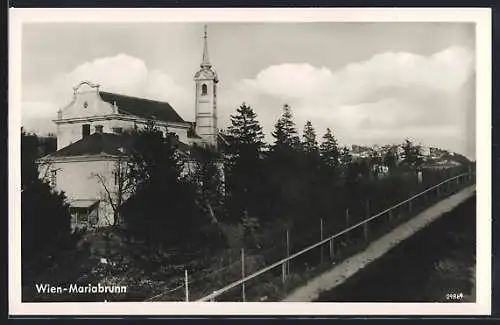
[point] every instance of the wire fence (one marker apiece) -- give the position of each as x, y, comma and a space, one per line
268, 273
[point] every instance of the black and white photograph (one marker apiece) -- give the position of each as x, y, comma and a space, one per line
291, 159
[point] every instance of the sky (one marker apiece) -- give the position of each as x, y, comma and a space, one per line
371, 83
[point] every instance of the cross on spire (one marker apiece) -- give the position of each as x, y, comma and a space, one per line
205, 63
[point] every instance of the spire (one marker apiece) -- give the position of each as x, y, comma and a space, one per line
205, 62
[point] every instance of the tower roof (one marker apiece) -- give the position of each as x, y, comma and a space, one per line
206, 72
205, 62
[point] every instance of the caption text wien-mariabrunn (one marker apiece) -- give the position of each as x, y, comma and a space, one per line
74, 288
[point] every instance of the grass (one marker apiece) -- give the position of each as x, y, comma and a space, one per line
164, 281
270, 287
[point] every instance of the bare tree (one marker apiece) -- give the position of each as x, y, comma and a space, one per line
115, 193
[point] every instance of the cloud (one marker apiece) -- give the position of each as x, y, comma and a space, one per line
391, 96
386, 98
122, 73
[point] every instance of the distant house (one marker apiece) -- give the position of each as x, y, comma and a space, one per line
90, 139
425, 151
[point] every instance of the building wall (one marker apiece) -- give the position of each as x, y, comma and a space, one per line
206, 110
87, 107
78, 181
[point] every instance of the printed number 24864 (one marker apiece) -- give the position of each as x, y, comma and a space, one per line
454, 296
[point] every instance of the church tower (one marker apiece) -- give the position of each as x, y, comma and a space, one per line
206, 98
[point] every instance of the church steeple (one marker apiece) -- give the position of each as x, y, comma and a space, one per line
205, 63
206, 98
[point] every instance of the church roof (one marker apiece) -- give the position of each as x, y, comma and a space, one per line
141, 107
95, 144
99, 144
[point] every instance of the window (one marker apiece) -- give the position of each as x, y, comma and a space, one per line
117, 177
85, 130
98, 129
82, 216
117, 130
204, 89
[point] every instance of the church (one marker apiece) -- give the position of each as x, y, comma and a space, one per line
90, 141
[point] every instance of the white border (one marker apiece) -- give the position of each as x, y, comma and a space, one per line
480, 16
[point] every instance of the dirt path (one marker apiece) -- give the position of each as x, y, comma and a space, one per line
349, 267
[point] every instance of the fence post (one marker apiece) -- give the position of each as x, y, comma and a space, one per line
243, 296
186, 284
283, 272
287, 267
321, 235
331, 248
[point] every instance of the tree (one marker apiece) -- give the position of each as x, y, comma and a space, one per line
244, 181
162, 209
45, 216
412, 154
115, 192
309, 143
330, 152
391, 158
208, 177
245, 129
154, 158
285, 133
285, 170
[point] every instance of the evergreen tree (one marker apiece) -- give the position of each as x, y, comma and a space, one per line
245, 130
345, 156
286, 170
285, 132
309, 143
244, 174
329, 150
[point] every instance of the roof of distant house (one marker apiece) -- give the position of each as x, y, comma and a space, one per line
101, 143
141, 107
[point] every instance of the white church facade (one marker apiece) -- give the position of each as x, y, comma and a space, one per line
90, 141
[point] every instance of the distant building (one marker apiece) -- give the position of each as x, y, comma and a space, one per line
90, 139
425, 151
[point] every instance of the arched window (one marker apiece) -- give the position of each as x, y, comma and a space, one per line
203, 89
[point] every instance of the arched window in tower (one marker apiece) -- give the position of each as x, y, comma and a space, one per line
204, 89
